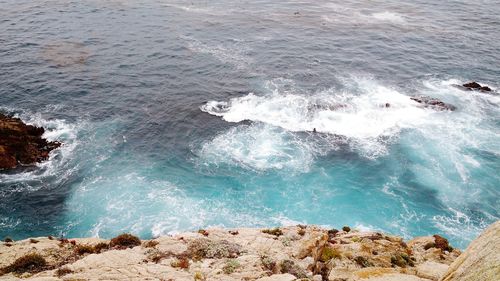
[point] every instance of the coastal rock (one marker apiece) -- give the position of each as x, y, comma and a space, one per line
22, 144
476, 86
480, 261
425, 249
285, 253
431, 270
433, 103
278, 277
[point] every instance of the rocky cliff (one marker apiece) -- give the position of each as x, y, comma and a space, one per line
481, 260
288, 253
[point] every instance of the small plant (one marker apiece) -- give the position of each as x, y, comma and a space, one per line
33, 241
301, 231
8, 240
429, 245
329, 253
333, 232
124, 241
180, 263
156, 256
234, 232
63, 271
362, 261
286, 241
230, 266
206, 248
203, 232
28, 263
289, 266
346, 229
50, 237
100, 247
84, 249
268, 263
274, 231
355, 239
198, 276
401, 260
151, 244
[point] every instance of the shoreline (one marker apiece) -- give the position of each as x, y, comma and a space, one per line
286, 253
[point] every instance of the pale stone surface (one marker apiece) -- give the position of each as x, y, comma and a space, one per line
278, 277
396, 277
300, 252
481, 260
431, 270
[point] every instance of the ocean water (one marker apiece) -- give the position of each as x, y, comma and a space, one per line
180, 115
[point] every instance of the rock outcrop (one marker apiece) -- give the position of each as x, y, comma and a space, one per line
476, 87
433, 103
22, 144
280, 254
288, 253
480, 261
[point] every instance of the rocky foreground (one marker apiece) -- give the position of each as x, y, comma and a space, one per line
22, 144
281, 254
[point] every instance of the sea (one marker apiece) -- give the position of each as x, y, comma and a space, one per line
182, 115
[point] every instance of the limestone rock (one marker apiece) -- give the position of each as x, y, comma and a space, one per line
278, 277
481, 260
431, 270
298, 252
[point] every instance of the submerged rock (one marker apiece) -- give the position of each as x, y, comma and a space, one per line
433, 103
22, 144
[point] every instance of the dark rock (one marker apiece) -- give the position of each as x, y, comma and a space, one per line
442, 243
22, 144
433, 103
474, 86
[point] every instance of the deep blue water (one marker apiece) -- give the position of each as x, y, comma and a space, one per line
180, 115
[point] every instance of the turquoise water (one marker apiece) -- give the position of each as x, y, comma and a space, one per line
186, 115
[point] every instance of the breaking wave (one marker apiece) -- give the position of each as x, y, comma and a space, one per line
55, 130
369, 115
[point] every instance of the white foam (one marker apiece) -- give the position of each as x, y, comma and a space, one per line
205, 9
361, 116
458, 225
231, 53
258, 147
55, 130
352, 115
389, 17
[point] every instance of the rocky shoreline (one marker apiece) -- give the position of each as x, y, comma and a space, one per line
280, 254
22, 144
